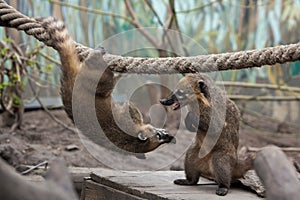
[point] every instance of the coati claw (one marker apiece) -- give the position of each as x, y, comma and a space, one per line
102, 49
222, 191
140, 156
184, 182
173, 140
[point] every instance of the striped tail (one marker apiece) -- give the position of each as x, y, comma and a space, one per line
58, 37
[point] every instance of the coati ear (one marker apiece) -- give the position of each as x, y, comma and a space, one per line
135, 114
142, 136
203, 88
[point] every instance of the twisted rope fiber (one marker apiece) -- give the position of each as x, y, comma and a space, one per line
10, 17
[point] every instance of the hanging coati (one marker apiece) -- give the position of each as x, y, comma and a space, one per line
221, 163
141, 138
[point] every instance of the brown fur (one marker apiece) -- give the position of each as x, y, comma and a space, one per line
104, 104
221, 163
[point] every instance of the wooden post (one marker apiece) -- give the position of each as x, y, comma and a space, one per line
58, 185
277, 174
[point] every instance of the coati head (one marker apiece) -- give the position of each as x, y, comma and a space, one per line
138, 137
192, 88
146, 131
151, 137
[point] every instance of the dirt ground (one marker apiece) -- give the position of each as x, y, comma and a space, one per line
42, 139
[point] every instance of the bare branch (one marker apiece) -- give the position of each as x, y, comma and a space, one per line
47, 110
44, 163
263, 98
89, 10
286, 149
199, 8
149, 4
260, 85
138, 25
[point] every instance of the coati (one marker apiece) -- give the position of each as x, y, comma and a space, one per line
199, 93
142, 138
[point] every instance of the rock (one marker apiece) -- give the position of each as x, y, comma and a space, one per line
72, 147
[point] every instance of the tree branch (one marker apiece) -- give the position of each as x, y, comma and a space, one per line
263, 98
138, 25
89, 10
259, 85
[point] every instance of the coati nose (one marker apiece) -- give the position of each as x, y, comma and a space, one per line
164, 137
167, 101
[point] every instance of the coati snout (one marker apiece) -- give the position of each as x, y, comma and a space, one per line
161, 135
144, 131
170, 100
186, 93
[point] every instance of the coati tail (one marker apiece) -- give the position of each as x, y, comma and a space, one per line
59, 38
243, 165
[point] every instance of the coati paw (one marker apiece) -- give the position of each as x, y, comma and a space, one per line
183, 182
222, 191
191, 122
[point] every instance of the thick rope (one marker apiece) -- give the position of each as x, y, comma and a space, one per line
10, 17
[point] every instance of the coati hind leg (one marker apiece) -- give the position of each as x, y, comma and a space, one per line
192, 176
222, 169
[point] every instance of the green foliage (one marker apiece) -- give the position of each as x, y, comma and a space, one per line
7, 40
17, 101
15, 74
295, 68
3, 51
31, 63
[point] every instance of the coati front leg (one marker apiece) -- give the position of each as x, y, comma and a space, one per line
191, 122
192, 178
191, 173
194, 123
222, 169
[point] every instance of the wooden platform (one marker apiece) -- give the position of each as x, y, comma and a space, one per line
133, 185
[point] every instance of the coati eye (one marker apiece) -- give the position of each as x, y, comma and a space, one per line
158, 136
180, 94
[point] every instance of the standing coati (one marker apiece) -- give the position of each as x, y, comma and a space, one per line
221, 163
142, 137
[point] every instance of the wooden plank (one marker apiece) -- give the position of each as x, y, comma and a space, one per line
97, 191
159, 185
34, 179
147, 185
